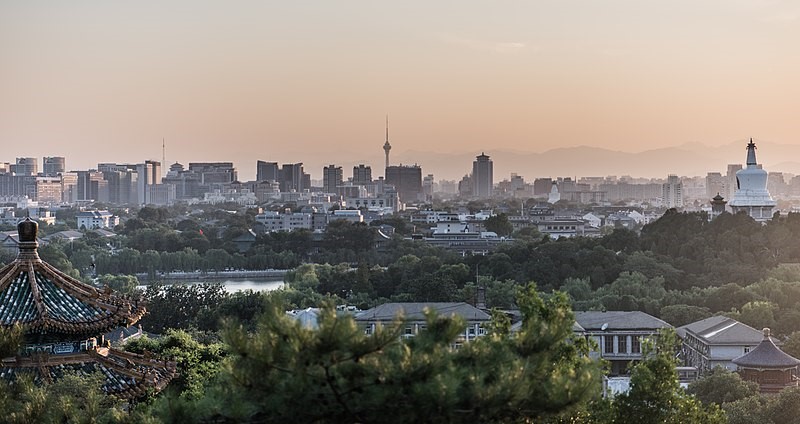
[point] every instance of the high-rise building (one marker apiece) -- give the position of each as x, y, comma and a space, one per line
541, 186
362, 175
730, 179
27, 167
672, 192
91, 186
428, 184
776, 184
331, 178
267, 171
407, 180
69, 187
53, 165
214, 172
149, 175
715, 184
482, 176
48, 190
293, 178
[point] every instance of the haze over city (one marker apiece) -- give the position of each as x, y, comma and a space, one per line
312, 82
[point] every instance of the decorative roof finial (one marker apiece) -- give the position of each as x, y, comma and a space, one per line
751, 153
766, 332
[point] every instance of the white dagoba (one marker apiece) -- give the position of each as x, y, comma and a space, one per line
751, 195
554, 195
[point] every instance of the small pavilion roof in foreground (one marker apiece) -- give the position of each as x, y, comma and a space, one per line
62, 318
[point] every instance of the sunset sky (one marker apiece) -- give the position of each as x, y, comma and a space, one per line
311, 81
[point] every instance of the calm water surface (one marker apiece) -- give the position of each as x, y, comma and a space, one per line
232, 286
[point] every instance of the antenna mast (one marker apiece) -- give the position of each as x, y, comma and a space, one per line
163, 154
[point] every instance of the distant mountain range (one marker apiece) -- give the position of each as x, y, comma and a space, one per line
691, 159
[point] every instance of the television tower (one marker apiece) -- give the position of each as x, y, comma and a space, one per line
387, 146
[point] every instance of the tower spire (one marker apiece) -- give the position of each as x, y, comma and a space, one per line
386, 146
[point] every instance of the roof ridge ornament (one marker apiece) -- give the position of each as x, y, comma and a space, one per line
27, 232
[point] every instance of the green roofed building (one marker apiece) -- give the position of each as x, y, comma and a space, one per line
62, 320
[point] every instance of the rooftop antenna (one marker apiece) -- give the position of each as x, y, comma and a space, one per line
163, 153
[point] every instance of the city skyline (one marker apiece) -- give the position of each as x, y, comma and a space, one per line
285, 82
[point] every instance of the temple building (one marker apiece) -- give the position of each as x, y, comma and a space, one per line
768, 366
63, 319
751, 195
717, 206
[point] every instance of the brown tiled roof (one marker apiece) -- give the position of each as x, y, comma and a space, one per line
766, 355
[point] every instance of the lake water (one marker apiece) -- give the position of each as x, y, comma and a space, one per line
232, 286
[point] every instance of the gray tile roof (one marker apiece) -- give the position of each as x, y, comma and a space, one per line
415, 311
721, 330
766, 355
618, 320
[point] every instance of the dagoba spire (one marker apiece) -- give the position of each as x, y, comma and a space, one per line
751, 153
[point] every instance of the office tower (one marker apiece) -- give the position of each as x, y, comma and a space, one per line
91, 186
672, 192
187, 184
715, 184
541, 186
149, 175
48, 190
731, 180
482, 176
27, 167
407, 180
214, 172
465, 186
428, 184
69, 187
331, 178
53, 165
362, 175
293, 178
123, 182
267, 171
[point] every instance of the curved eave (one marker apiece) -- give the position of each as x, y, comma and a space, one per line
128, 375
116, 311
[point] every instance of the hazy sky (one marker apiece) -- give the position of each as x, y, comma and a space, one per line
312, 80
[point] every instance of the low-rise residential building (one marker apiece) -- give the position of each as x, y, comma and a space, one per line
716, 342
414, 316
274, 221
618, 334
558, 228
96, 219
349, 215
467, 243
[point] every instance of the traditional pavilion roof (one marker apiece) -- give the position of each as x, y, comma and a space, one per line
766, 355
45, 300
126, 375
